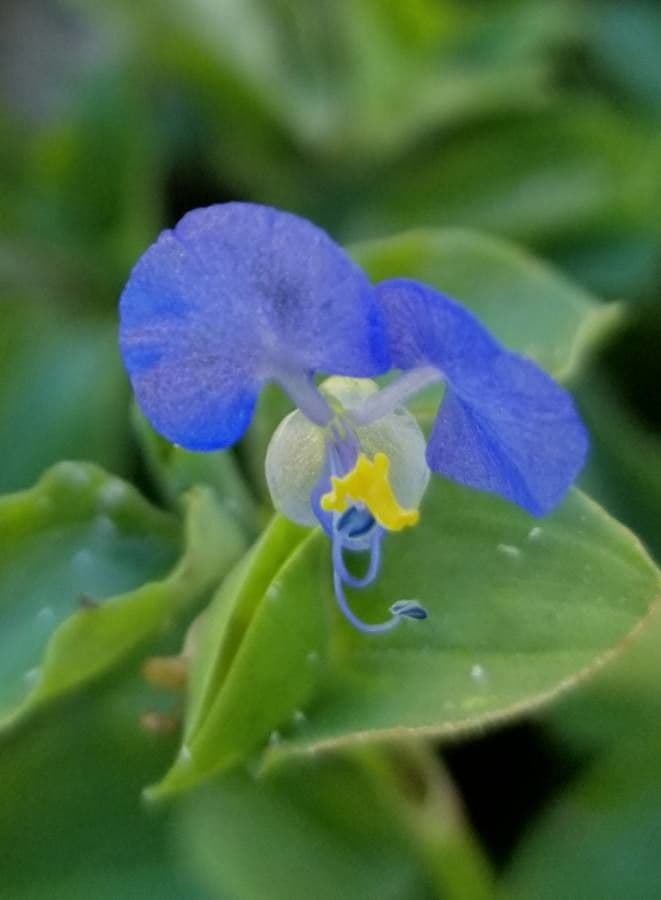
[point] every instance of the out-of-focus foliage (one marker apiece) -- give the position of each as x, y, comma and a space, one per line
337, 822
48, 361
457, 143
71, 824
84, 575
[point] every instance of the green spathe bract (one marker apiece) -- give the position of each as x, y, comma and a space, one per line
251, 634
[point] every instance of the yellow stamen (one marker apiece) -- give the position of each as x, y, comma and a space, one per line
368, 483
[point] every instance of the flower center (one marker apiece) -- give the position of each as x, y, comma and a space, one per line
368, 483
357, 479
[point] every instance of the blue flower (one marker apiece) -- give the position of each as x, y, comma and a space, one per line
238, 295
234, 296
504, 425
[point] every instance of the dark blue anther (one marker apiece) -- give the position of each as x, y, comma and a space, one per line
356, 522
408, 608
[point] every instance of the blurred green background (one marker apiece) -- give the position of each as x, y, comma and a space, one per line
535, 121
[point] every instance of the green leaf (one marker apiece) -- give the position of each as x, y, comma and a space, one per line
256, 659
529, 306
88, 572
369, 825
519, 612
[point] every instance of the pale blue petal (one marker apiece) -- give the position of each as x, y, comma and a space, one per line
234, 296
504, 426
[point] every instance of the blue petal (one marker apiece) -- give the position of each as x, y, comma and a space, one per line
504, 426
232, 297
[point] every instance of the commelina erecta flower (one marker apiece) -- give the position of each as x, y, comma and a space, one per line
238, 295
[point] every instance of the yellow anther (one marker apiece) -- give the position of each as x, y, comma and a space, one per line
368, 483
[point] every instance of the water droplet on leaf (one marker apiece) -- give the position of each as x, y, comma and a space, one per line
46, 616
185, 754
478, 673
509, 550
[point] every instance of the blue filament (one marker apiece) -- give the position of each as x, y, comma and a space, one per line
339, 564
356, 531
351, 617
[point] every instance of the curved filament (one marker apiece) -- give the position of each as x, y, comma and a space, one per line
370, 542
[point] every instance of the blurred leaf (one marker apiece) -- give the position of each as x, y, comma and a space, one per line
63, 393
71, 823
529, 307
83, 578
39, 270
175, 470
91, 178
616, 266
374, 825
258, 657
626, 39
72, 826
602, 838
331, 77
621, 706
624, 470
533, 178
